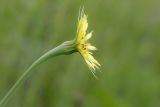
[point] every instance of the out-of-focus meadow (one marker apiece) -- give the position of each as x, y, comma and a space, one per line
126, 33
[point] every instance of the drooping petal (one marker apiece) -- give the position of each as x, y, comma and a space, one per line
90, 65
91, 62
91, 58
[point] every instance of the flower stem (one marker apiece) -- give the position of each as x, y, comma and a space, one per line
65, 48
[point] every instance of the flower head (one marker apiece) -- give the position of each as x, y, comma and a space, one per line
83, 46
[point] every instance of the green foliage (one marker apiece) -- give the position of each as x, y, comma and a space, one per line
126, 33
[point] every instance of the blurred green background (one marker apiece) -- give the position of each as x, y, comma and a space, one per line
126, 33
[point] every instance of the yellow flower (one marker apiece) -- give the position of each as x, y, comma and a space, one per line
83, 46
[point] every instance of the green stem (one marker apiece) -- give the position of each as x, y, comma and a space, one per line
65, 48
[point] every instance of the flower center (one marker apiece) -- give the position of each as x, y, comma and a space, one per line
81, 47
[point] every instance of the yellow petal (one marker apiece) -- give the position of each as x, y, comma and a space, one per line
90, 47
90, 57
82, 27
88, 36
